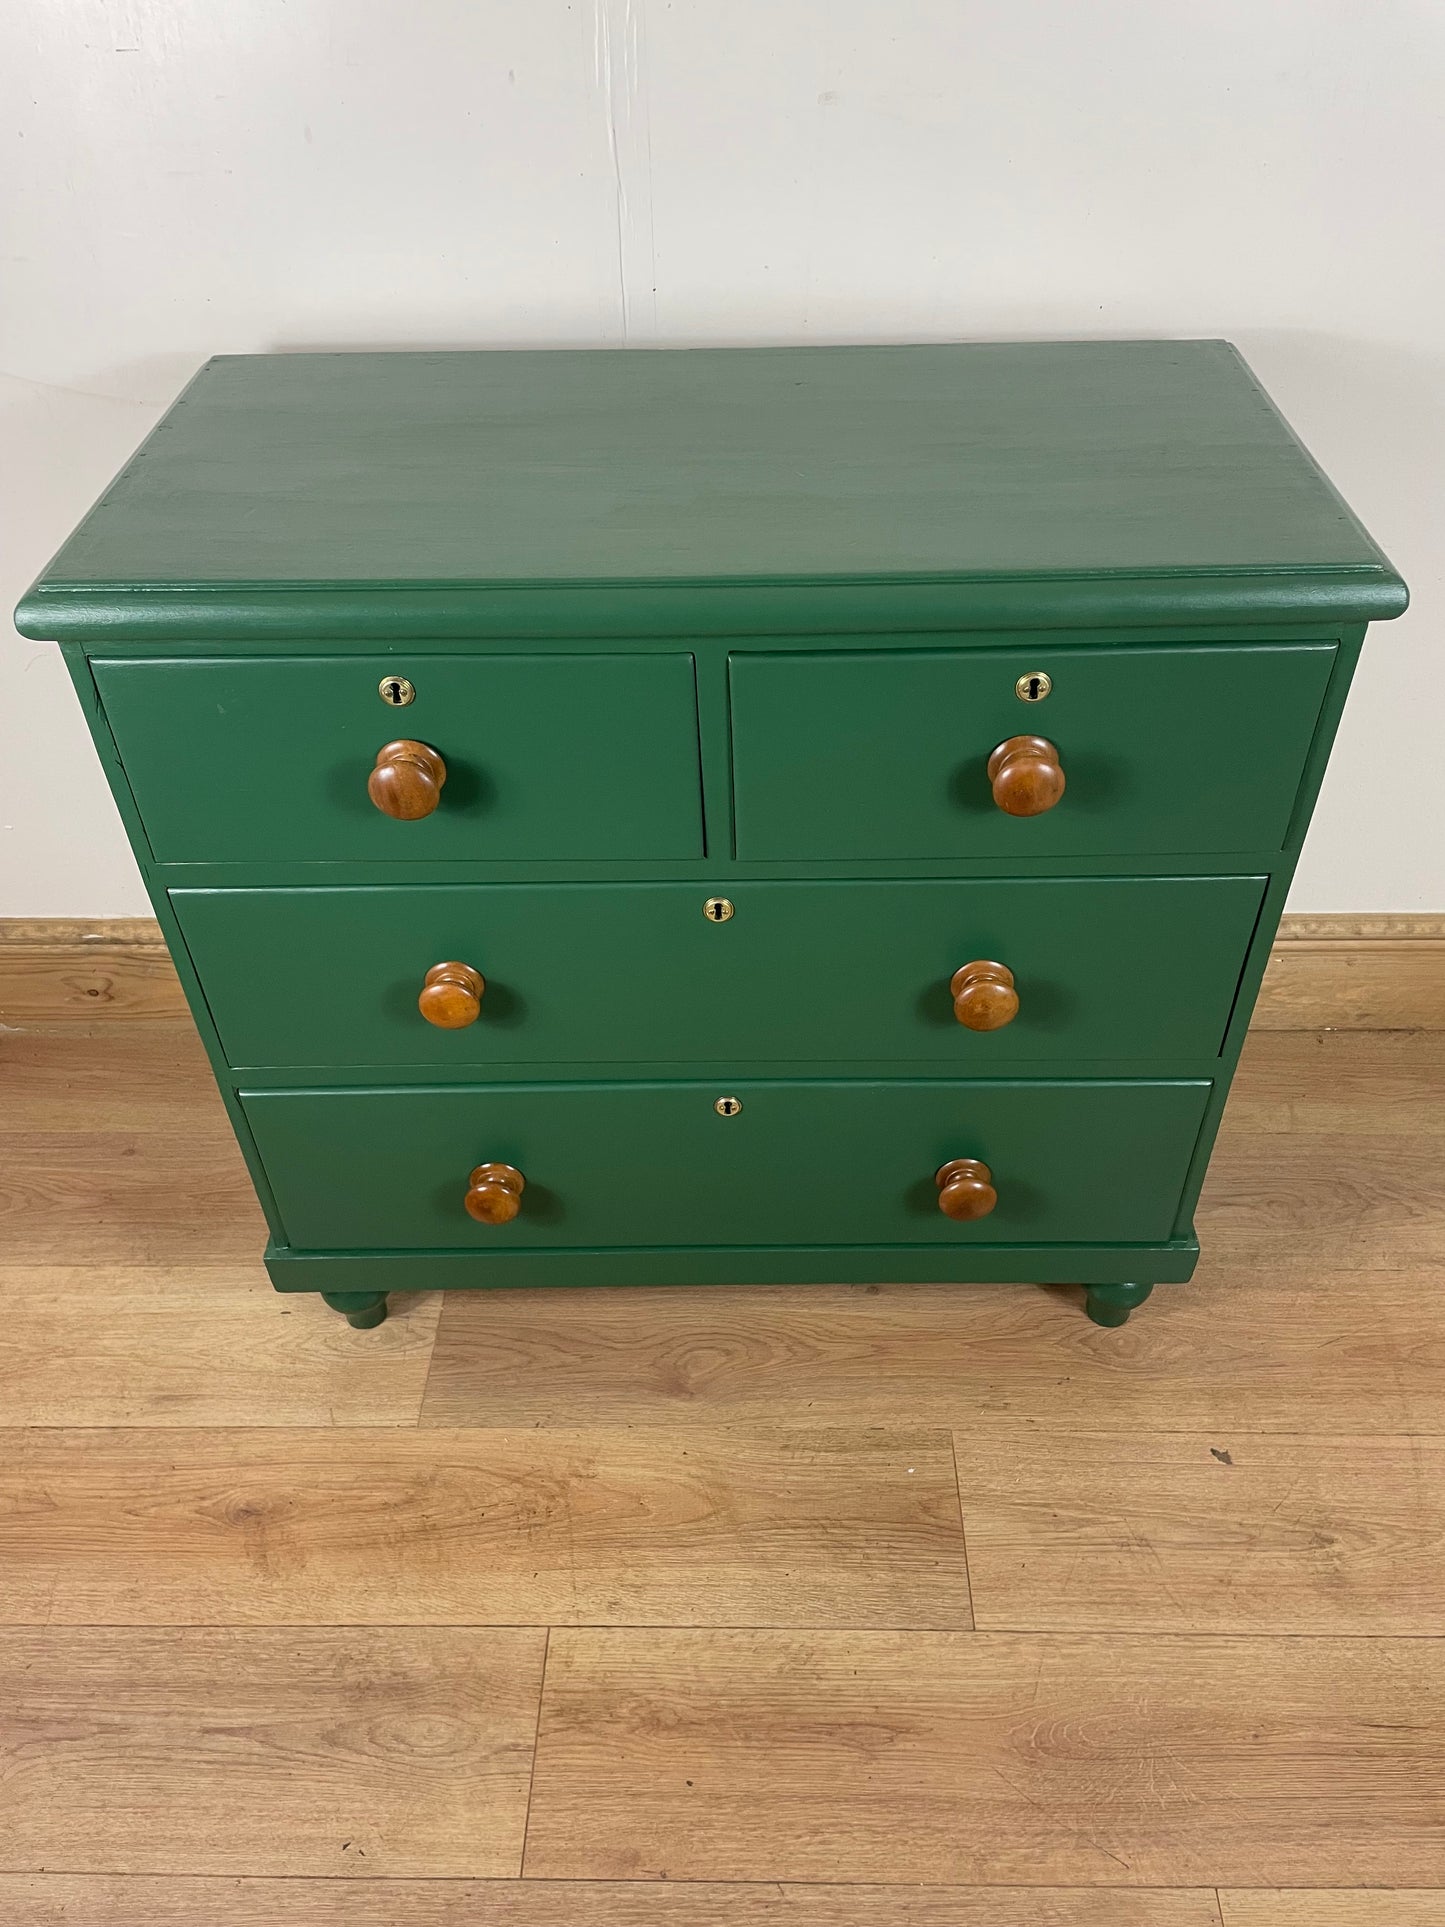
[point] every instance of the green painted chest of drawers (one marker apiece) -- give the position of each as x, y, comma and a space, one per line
762, 815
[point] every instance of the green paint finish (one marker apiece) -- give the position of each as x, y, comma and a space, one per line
654, 1164
966, 608
1046, 461
236, 759
871, 755
1172, 1262
1111, 1304
796, 586
363, 1310
613, 974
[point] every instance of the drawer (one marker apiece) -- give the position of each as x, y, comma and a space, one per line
1109, 968
1166, 751
267, 759
642, 1164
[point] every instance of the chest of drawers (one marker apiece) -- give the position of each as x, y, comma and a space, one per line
680, 817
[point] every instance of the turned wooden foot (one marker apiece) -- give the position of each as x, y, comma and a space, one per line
1111, 1304
363, 1309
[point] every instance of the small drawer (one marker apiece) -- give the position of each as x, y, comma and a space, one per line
546, 756
646, 1165
1164, 751
1113, 968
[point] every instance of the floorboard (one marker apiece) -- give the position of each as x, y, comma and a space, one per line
213, 1345
990, 1758
273, 1750
356, 1527
1238, 1348
1139, 1532
77, 1901
1312, 1907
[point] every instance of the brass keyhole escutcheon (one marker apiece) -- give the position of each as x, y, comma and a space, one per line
728, 1106
717, 909
395, 691
1033, 687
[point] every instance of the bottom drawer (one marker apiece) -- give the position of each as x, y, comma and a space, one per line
618, 1165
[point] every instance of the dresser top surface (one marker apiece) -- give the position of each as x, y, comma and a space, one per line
1024, 462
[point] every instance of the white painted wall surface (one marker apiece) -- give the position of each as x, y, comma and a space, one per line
190, 177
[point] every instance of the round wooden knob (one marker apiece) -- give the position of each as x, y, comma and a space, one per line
1026, 776
984, 997
407, 780
451, 997
494, 1193
965, 1189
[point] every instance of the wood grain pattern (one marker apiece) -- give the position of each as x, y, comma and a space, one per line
1025, 775
1314, 1907
984, 997
989, 1757
1328, 1351
494, 1193
88, 1078
451, 996
475, 1528
1334, 1145
1166, 1532
116, 1149
1338, 1085
187, 1345
127, 1197
59, 1900
1373, 984
1341, 972
965, 1189
54, 970
295, 1751
407, 779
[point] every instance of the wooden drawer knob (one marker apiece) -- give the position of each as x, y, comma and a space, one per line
451, 997
494, 1193
965, 1189
984, 997
407, 780
1026, 776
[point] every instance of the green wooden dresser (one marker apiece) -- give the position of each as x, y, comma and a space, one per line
683, 817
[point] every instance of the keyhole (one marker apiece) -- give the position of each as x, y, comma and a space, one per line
1033, 687
395, 691
717, 909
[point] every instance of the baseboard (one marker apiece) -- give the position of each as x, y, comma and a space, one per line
63, 969
1355, 973
1324, 973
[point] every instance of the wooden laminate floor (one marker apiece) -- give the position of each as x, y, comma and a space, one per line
832, 1607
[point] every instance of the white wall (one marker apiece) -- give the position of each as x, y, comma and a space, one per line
188, 177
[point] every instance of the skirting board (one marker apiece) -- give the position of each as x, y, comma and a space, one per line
1325, 973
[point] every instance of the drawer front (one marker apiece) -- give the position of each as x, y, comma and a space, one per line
267, 759
1109, 968
1165, 750
656, 1165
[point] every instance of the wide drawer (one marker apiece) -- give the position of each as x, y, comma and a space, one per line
547, 756
1107, 968
656, 1165
1169, 751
